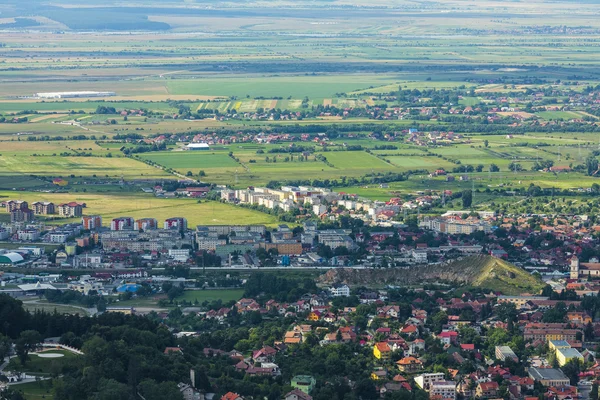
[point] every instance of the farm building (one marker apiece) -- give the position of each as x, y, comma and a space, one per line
198, 146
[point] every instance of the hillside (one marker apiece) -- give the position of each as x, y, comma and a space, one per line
480, 271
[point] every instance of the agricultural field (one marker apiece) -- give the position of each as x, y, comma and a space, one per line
139, 205
57, 166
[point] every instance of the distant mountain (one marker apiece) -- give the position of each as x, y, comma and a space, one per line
479, 271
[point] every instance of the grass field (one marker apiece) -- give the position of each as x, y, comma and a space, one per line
51, 308
42, 366
225, 295
139, 205
54, 166
35, 390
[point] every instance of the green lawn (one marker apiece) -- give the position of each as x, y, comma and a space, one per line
42, 366
35, 390
210, 295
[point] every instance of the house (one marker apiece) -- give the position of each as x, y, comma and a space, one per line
189, 393
231, 396
266, 354
448, 337
340, 290
487, 389
297, 394
382, 351
562, 392
304, 383
409, 364
379, 375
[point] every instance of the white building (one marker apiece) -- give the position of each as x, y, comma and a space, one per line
424, 381
181, 255
340, 291
420, 256
65, 95
28, 234
58, 237
445, 389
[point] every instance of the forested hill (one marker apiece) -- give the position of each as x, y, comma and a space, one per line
480, 271
123, 355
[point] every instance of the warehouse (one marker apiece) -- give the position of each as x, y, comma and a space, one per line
66, 95
198, 146
10, 259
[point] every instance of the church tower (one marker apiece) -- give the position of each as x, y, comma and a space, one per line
574, 267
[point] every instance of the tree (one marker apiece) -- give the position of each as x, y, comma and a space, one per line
201, 173
5, 345
27, 342
151, 390
486, 143
592, 165
101, 305
572, 369
506, 312
110, 389
10, 394
467, 198
494, 168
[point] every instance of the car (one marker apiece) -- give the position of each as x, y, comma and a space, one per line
586, 383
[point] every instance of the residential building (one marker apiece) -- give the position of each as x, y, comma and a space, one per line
445, 390
297, 394
340, 290
30, 235
13, 205
189, 393
91, 222
409, 365
70, 210
145, 224
382, 351
176, 223
424, 381
122, 224
304, 383
487, 389
43, 208
21, 215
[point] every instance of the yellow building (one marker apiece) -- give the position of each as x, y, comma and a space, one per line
554, 345
314, 316
563, 356
382, 351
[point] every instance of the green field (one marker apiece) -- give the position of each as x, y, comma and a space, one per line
224, 295
57, 166
140, 205
35, 390
42, 366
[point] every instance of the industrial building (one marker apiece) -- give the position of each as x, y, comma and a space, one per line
72, 95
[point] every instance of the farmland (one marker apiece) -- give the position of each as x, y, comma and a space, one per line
352, 80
